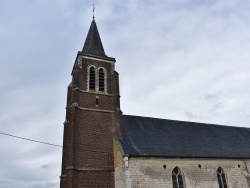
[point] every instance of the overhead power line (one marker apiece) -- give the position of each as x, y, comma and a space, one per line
30, 140
40, 142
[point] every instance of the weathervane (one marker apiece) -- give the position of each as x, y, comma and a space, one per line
93, 11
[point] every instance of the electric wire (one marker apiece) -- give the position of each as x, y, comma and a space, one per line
46, 143
30, 139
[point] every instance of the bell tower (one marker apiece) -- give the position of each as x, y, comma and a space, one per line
92, 118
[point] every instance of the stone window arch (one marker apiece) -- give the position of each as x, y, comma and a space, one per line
92, 78
177, 178
101, 79
221, 178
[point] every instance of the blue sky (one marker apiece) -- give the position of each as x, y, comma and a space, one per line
184, 60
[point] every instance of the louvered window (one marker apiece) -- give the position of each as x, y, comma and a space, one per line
101, 79
177, 178
221, 178
92, 78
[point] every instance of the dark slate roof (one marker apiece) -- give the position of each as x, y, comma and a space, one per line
93, 43
145, 136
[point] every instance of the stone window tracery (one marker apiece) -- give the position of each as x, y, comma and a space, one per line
221, 178
177, 178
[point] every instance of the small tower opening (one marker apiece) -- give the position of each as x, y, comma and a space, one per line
97, 101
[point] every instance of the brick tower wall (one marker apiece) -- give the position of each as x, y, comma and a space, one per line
88, 157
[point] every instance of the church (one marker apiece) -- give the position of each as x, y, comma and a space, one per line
104, 148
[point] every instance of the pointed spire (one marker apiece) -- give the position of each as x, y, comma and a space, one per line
93, 43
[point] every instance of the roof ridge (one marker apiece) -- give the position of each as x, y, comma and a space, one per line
211, 124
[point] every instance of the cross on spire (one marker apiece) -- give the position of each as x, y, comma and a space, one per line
93, 11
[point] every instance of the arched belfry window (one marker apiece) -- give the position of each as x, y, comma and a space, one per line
177, 178
101, 80
221, 178
92, 78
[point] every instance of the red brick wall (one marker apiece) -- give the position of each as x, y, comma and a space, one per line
88, 100
93, 137
94, 179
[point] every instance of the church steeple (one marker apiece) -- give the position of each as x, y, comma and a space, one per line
93, 43
93, 118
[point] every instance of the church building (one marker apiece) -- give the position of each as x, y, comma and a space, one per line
104, 148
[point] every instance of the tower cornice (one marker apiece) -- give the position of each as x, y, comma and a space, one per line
108, 59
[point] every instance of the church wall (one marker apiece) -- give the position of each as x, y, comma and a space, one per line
247, 162
120, 177
149, 172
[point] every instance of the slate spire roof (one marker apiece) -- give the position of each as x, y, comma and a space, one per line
93, 43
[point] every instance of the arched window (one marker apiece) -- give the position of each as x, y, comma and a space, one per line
92, 78
221, 178
101, 80
177, 178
